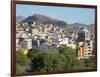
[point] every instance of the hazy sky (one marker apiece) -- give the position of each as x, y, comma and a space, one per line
68, 14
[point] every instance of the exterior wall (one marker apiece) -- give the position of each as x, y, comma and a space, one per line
29, 43
81, 53
85, 51
48, 48
63, 41
88, 49
83, 35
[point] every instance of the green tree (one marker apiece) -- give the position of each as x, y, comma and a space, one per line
36, 59
64, 59
21, 58
22, 62
33, 53
90, 62
53, 61
48, 61
59, 62
71, 58
37, 63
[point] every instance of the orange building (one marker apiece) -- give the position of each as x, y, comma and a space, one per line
81, 53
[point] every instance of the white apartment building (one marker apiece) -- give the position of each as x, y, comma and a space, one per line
85, 49
62, 41
25, 43
88, 49
29, 43
48, 47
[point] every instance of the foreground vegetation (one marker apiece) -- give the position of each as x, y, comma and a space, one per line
63, 60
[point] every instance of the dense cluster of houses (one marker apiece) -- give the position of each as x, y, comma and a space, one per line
50, 38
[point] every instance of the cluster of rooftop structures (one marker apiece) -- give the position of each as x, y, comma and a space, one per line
50, 37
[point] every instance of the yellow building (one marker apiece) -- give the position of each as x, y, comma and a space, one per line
81, 53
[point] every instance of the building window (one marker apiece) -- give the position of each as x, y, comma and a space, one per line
89, 50
89, 47
89, 53
85, 54
88, 44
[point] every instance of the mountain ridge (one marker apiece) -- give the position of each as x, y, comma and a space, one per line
42, 19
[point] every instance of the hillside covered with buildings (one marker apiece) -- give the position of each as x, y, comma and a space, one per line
51, 35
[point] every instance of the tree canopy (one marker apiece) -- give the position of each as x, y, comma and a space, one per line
38, 61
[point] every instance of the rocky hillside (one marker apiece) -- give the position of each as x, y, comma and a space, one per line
41, 19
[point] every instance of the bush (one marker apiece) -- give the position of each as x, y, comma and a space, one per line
22, 62
19, 69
